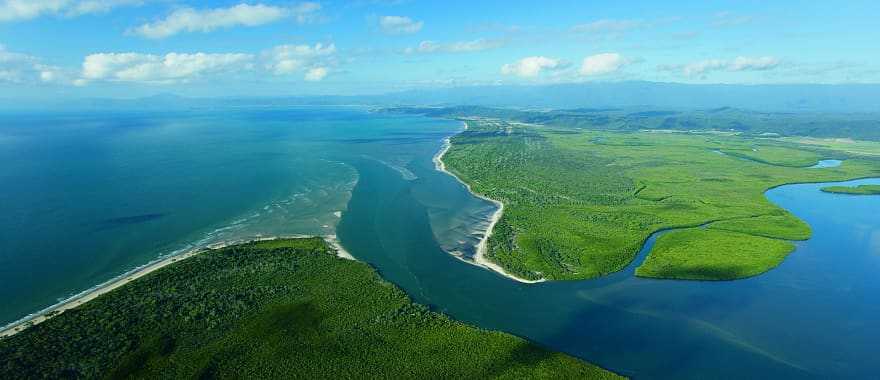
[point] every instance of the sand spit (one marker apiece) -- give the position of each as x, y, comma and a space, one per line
480, 257
134, 274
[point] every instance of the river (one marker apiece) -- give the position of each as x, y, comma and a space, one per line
809, 317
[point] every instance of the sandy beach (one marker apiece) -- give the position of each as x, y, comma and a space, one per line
340, 250
134, 274
480, 257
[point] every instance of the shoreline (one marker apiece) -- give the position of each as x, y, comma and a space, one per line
480, 259
141, 271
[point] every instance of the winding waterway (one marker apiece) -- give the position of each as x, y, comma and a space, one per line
810, 317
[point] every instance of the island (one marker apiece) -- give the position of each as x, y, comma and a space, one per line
582, 191
270, 309
854, 190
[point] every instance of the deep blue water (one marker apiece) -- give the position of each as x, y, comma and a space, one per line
86, 197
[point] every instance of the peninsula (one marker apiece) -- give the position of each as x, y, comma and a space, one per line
269, 309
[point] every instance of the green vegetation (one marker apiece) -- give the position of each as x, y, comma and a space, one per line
275, 309
704, 254
782, 226
824, 126
846, 145
857, 190
781, 156
580, 200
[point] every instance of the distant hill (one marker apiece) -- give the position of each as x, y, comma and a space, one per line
859, 126
860, 98
793, 98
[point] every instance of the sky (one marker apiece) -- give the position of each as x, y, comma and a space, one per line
127, 48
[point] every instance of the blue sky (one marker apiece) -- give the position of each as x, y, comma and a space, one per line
59, 48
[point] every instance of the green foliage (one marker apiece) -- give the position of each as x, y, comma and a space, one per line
579, 203
857, 190
782, 226
858, 126
707, 254
272, 309
777, 156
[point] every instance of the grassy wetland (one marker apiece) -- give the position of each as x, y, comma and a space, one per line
853, 190
579, 203
273, 309
705, 254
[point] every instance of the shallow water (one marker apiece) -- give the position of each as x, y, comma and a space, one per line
826, 164
88, 196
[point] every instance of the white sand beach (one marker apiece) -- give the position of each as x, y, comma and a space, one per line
134, 274
480, 258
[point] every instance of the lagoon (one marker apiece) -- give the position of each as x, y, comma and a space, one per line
826, 164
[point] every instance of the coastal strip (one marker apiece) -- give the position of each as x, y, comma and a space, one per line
333, 240
141, 271
480, 258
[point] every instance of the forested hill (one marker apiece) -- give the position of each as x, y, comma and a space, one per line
856, 126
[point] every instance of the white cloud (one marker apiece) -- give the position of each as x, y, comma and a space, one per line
21, 68
701, 68
27, 9
531, 66
150, 68
311, 62
399, 25
291, 59
602, 64
315, 74
455, 47
207, 20
15, 10
83, 7
753, 64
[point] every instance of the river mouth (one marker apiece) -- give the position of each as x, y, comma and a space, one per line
789, 322
806, 318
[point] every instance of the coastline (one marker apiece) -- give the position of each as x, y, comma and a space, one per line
141, 271
480, 256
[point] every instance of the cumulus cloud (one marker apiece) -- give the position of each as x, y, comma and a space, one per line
399, 25
315, 74
531, 66
21, 68
310, 62
16, 10
701, 68
455, 47
753, 64
313, 60
603, 64
168, 68
207, 20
